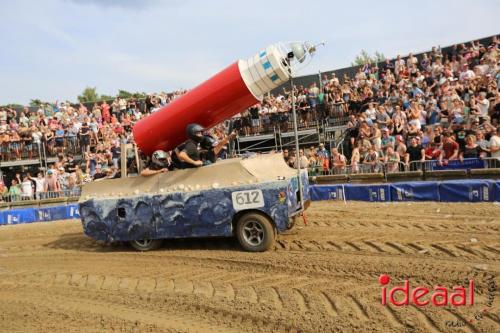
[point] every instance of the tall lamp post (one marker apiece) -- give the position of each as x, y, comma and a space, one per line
296, 132
299, 52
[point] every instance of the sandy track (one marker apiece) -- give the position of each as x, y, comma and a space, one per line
321, 278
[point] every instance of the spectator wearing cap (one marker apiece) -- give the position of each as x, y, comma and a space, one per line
323, 157
387, 140
51, 184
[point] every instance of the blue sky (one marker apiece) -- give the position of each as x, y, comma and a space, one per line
53, 49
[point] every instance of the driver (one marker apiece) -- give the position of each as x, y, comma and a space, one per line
187, 155
160, 162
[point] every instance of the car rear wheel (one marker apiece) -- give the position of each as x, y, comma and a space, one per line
146, 244
255, 232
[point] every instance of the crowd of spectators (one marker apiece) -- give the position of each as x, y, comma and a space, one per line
441, 106
92, 134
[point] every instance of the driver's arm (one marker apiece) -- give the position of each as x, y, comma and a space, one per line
148, 172
183, 156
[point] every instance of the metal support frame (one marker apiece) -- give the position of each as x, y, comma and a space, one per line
297, 149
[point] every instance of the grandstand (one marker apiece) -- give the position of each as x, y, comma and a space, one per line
432, 114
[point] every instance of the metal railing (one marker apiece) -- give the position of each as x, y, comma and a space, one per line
393, 167
361, 168
458, 164
67, 193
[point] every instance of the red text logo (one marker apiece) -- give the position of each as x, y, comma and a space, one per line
422, 296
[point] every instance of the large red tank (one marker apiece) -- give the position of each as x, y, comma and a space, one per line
227, 93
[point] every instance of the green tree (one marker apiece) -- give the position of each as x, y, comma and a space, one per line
89, 94
365, 58
139, 95
35, 102
106, 98
124, 94
14, 106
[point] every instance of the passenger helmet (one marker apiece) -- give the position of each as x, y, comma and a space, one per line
160, 158
208, 142
191, 131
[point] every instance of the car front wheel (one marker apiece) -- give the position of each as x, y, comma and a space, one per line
146, 244
255, 232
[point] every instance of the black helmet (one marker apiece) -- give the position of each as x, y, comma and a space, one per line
191, 131
207, 142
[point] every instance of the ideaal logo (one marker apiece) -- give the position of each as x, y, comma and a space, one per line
423, 296
437, 296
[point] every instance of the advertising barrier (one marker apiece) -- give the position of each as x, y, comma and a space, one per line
495, 187
374, 192
38, 214
477, 190
330, 192
415, 191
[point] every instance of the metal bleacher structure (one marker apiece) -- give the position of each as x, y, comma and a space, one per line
329, 131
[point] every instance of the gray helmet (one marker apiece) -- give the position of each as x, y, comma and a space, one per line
191, 131
160, 158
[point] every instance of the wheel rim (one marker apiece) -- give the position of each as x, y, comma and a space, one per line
253, 232
144, 242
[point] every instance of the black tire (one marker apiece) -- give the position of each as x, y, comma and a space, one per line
146, 244
255, 232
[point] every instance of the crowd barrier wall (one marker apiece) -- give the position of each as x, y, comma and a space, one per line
38, 214
474, 190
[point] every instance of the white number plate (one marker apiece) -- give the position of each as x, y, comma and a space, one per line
247, 199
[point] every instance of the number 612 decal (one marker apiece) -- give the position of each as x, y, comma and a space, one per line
247, 199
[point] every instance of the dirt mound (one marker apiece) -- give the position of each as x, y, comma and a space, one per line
322, 277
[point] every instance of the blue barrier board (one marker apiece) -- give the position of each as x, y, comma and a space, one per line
374, 192
38, 214
415, 191
474, 190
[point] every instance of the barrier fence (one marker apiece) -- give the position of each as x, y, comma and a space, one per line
473, 190
39, 214
476, 190
69, 193
391, 167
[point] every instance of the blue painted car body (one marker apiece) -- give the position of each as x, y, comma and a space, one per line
208, 212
